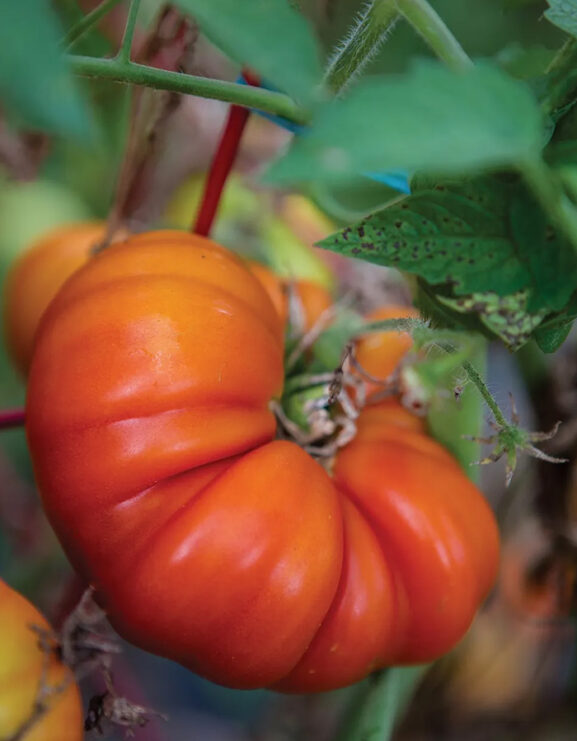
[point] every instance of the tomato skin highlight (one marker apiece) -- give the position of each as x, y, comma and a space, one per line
21, 668
208, 541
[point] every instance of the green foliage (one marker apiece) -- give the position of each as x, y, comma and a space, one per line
563, 14
431, 120
483, 247
267, 35
35, 84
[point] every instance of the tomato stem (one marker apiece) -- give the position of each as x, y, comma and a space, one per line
123, 55
87, 22
12, 418
221, 166
436, 34
362, 42
133, 73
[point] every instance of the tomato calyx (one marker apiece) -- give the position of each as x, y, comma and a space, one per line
319, 410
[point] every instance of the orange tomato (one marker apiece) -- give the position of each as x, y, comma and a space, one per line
311, 297
210, 542
379, 353
36, 277
22, 664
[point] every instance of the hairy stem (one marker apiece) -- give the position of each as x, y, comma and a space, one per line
431, 27
476, 378
87, 22
362, 42
123, 55
230, 92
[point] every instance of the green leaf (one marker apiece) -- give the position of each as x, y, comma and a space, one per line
550, 339
483, 250
551, 334
431, 119
551, 261
457, 236
507, 317
269, 36
563, 14
35, 84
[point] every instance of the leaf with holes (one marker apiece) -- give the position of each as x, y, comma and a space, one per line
267, 35
431, 119
563, 14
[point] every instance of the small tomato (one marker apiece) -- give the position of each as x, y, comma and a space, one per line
23, 664
35, 278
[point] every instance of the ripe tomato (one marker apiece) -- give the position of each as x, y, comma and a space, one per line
208, 541
311, 298
379, 353
22, 663
37, 276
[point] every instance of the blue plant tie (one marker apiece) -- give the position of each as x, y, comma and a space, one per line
398, 180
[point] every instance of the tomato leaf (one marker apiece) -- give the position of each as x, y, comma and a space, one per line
551, 334
507, 317
386, 697
35, 84
445, 235
431, 119
269, 36
482, 246
563, 14
551, 260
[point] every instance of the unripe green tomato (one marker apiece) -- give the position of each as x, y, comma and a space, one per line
29, 210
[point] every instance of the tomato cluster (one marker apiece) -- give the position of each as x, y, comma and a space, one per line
210, 542
23, 665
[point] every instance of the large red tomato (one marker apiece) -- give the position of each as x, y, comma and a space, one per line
208, 541
23, 663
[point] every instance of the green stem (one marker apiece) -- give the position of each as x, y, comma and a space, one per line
431, 27
362, 42
562, 78
476, 378
123, 55
549, 192
393, 325
454, 422
80, 29
230, 92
